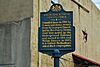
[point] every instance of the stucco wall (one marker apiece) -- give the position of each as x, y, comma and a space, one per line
13, 10
83, 20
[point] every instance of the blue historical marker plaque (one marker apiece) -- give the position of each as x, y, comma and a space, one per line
56, 31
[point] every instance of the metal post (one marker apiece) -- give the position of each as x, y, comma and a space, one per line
56, 61
56, 56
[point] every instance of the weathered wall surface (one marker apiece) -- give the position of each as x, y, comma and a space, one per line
15, 44
15, 27
13, 10
83, 20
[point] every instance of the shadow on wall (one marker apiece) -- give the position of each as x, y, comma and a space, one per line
15, 44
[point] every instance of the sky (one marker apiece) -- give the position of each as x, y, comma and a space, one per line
56, 1
97, 3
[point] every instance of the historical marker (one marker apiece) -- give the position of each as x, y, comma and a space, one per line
56, 32
56, 29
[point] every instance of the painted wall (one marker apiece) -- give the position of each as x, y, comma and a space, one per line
13, 10
15, 28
